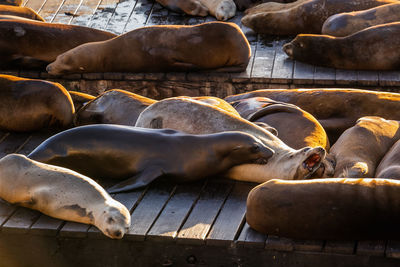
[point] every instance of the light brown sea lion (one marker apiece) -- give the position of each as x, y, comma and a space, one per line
218, 45
29, 105
11, 2
360, 148
389, 167
190, 7
80, 99
345, 209
367, 49
302, 16
217, 102
24, 12
195, 117
139, 156
113, 106
344, 24
61, 193
35, 44
220, 9
296, 127
336, 109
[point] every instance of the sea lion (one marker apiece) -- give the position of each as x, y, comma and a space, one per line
113, 106
218, 45
220, 9
29, 105
344, 209
190, 7
24, 12
142, 155
296, 128
334, 108
80, 99
344, 24
11, 2
389, 167
62, 194
367, 49
217, 102
195, 117
360, 148
34, 44
302, 16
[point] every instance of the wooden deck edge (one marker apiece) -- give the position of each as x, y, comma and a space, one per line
37, 250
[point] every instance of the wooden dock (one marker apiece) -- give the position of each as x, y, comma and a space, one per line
200, 224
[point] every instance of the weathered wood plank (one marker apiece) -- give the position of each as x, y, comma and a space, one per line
36, 4
245, 75
6, 210
303, 73
393, 249
374, 248
74, 229
324, 76
149, 208
50, 8
279, 243
67, 11
231, 218
201, 219
85, 12
251, 238
20, 221
158, 15
46, 225
308, 245
12, 143
283, 68
389, 78
175, 212
346, 77
121, 16
339, 246
140, 15
33, 141
103, 14
263, 63
367, 78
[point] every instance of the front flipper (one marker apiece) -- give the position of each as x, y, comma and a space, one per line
140, 180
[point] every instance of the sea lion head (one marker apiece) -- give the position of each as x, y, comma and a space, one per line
115, 220
240, 148
225, 10
77, 60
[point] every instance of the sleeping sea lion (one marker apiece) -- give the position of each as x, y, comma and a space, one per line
389, 167
23, 12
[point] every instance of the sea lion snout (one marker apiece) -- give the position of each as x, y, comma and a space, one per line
314, 157
288, 49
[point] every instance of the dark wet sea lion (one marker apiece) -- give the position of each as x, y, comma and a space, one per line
61, 193
367, 49
219, 46
29, 105
360, 148
337, 208
24, 12
334, 108
344, 24
80, 99
35, 44
142, 155
302, 16
195, 117
114, 107
389, 167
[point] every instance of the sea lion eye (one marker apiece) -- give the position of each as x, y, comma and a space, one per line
255, 148
110, 220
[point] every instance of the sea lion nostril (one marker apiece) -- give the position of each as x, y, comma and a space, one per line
117, 233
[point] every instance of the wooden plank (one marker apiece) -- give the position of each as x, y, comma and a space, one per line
158, 15
339, 246
175, 212
231, 218
140, 15
50, 8
67, 11
85, 12
46, 225
36, 4
20, 221
6, 210
103, 14
303, 73
308, 245
279, 243
201, 219
346, 77
389, 78
12, 143
129, 199
324, 76
374, 248
33, 141
74, 229
121, 16
251, 238
149, 208
245, 75
263, 63
282, 71
393, 249
367, 78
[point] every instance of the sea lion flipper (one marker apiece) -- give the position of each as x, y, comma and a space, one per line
140, 180
267, 127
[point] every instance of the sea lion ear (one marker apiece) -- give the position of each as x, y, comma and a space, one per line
266, 127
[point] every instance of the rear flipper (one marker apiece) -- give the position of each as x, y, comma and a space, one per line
140, 180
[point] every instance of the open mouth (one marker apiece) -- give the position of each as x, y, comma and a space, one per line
312, 163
